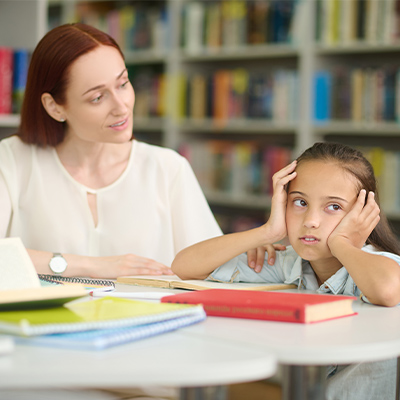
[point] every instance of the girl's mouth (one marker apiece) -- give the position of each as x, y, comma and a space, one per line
309, 240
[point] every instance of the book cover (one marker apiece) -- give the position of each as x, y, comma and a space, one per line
174, 282
273, 306
103, 313
100, 339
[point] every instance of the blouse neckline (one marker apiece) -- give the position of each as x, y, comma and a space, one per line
91, 190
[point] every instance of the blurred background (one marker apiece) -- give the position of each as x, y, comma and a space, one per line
239, 88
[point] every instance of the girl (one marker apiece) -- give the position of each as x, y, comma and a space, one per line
326, 202
327, 205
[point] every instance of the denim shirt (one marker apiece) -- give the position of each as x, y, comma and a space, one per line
292, 269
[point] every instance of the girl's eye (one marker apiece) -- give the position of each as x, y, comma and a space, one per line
299, 203
334, 207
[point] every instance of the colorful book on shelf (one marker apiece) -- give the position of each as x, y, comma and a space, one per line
100, 339
91, 285
6, 73
274, 306
174, 282
103, 313
20, 286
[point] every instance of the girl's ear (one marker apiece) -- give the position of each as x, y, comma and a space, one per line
52, 108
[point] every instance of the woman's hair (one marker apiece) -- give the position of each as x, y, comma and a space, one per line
49, 73
354, 162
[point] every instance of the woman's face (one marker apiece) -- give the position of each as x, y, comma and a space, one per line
99, 98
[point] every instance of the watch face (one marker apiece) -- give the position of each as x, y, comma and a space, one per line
58, 264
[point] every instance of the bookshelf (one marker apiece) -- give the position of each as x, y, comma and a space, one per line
178, 57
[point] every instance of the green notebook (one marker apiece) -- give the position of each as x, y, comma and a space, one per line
103, 313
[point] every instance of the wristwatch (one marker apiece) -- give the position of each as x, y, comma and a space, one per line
58, 264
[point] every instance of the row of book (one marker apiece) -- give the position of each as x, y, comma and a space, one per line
143, 26
150, 92
215, 24
357, 94
13, 72
234, 222
386, 164
237, 168
236, 93
343, 22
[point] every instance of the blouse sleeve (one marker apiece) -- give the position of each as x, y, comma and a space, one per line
192, 218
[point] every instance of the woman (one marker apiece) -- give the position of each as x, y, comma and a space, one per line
86, 198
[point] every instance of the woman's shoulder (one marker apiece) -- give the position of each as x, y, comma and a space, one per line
13, 146
163, 156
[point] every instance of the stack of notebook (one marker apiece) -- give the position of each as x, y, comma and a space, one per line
97, 324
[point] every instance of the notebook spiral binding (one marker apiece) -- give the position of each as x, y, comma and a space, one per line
60, 279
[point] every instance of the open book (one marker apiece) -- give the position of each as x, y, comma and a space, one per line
174, 282
20, 286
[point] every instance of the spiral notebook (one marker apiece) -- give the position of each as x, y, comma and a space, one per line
103, 313
91, 285
104, 338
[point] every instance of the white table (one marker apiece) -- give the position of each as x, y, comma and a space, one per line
176, 359
372, 335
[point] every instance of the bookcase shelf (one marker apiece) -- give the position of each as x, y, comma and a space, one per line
240, 126
316, 41
9, 121
248, 52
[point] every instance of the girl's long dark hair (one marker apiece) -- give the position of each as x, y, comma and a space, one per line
354, 162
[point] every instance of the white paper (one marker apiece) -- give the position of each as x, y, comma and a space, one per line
16, 268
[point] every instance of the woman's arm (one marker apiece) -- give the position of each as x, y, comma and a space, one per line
100, 267
199, 260
377, 276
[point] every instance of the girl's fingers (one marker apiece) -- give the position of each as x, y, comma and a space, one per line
285, 171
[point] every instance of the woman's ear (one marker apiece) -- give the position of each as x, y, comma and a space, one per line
52, 108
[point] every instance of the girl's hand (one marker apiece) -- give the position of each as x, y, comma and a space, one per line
358, 224
255, 257
276, 225
129, 264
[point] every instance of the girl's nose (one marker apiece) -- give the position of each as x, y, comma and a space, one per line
311, 219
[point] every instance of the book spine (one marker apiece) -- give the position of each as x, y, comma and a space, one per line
272, 313
6, 76
21, 62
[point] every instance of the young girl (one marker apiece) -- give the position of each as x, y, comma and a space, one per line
326, 202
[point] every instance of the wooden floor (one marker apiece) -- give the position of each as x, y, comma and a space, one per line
262, 390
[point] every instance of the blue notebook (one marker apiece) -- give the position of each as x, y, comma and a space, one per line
104, 338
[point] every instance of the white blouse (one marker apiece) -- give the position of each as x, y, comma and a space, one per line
154, 209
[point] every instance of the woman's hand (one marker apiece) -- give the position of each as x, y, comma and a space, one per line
276, 225
129, 264
357, 225
255, 257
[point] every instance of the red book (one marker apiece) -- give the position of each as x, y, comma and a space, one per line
272, 306
6, 76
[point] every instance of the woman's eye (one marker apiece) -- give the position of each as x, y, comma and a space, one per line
125, 84
96, 99
299, 203
334, 207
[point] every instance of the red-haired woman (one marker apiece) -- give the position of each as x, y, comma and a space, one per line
86, 198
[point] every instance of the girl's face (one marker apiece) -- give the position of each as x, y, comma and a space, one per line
318, 198
99, 98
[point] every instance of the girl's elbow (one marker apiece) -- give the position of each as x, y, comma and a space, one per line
389, 297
